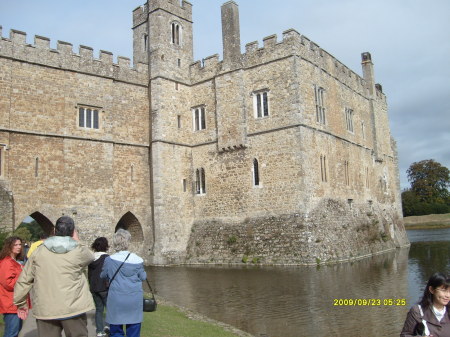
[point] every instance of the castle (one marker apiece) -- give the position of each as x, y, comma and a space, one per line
277, 155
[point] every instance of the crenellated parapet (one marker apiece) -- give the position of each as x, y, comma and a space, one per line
16, 48
292, 44
182, 10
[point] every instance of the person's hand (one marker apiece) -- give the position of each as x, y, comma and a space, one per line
22, 313
75, 235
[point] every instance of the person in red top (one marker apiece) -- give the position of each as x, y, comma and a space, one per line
10, 270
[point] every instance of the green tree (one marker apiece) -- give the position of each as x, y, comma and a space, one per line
34, 228
23, 233
429, 181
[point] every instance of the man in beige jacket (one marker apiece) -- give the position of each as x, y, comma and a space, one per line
61, 291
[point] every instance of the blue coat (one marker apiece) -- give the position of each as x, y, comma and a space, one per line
124, 304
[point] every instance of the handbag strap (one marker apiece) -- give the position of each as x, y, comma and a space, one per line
110, 281
424, 322
150, 287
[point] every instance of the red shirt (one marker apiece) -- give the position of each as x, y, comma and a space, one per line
10, 270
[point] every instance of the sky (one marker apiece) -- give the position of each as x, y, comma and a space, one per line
409, 41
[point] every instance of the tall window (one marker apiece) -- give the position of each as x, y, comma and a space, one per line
363, 130
367, 178
261, 104
176, 33
349, 119
145, 42
88, 118
323, 168
2, 152
320, 107
36, 167
200, 186
199, 118
346, 173
255, 172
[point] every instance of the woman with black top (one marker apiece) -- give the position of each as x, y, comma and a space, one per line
98, 286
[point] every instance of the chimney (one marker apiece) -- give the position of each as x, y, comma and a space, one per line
368, 74
231, 34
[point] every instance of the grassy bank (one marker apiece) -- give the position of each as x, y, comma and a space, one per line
427, 221
171, 321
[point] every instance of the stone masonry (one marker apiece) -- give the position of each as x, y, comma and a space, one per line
278, 155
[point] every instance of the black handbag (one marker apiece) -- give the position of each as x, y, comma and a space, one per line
149, 303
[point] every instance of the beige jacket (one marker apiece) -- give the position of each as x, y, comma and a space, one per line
56, 272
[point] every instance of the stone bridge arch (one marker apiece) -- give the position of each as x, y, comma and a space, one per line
46, 225
131, 224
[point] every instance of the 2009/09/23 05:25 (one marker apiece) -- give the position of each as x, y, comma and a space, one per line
369, 302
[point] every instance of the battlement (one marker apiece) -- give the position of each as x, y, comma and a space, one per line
292, 44
182, 9
63, 57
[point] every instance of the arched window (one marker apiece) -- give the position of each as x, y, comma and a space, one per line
176, 33
255, 172
200, 185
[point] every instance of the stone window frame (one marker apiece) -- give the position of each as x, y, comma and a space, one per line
95, 117
200, 181
319, 94
256, 177
145, 42
323, 168
199, 118
349, 116
176, 33
3, 148
261, 103
346, 173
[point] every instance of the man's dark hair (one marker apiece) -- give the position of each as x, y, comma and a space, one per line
64, 226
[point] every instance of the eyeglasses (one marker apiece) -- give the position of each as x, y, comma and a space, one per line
443, 290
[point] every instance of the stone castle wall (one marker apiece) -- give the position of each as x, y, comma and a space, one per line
138, 170
53, 166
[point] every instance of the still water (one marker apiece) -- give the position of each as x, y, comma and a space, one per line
312, 301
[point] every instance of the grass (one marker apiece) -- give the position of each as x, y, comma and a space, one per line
431, 221
169, 321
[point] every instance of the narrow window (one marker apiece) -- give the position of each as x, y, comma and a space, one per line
184, 185
131, 173
349, 119
363, 130
145, 42
255, 172
261, 104
36, 167
81, 117
199, 118
179, 63
89, 118
176, 33
323, 168
1, 161
200, 186
176, 86
95, 116
367, 177
320, 107
179, 121
346, 173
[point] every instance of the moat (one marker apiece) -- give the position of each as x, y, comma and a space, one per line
300, 301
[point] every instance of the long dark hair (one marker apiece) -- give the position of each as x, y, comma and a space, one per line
436, 280
8, 245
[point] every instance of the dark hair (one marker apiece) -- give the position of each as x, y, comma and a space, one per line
100, 244
64, 226
8, 245
436, 280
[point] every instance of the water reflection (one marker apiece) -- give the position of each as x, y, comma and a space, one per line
299, 301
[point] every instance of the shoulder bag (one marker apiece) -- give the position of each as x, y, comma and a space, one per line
150, 303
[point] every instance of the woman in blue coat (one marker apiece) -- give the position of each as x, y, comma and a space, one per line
125, 296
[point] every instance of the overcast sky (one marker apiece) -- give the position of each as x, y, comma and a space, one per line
409, 41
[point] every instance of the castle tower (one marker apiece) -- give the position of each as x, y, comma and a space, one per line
170, 54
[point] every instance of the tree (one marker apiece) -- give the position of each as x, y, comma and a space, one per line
429, 181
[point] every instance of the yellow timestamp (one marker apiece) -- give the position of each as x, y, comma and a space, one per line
369, 302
